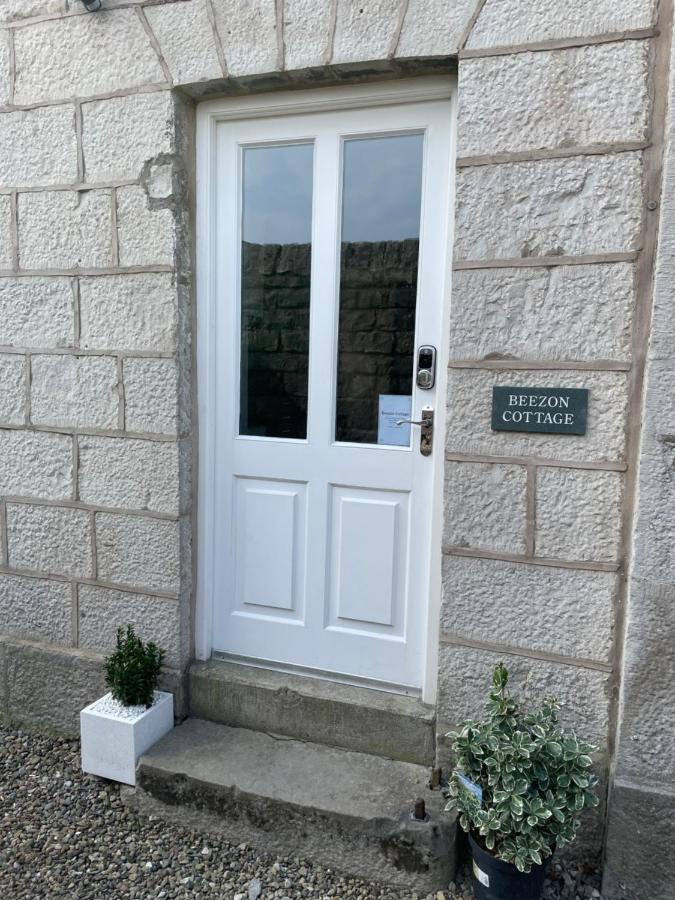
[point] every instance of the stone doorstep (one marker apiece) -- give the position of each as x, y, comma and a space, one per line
349, 811
311, 709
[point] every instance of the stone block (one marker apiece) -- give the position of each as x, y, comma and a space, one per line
185, 36
365, 30
4, 65
469, 415
13, 393
48, 686
38, 147
515, 604
578, 514
102, 611
653, 545
662, 338
434, 27
6, 241
138, 552
49, 539
45, 687
640, 836
550, 207
119, 135
157, 179
36, 312
16, 10
3, 681
248, 35
646, 731
36, 609
556, 313
74, 391
465, 676
128, 312
145, 233
355, 718
485, 506
131, 474
65, 229
36, 465
308, 30
506, 22
82, 56
531, 101
364, 828
151, 395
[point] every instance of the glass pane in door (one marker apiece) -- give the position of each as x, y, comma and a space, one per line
381, 204
275, 288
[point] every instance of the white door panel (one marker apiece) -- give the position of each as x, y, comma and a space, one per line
327, 234
270, 546
368, 559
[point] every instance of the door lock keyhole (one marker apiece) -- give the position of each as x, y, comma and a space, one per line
426, 367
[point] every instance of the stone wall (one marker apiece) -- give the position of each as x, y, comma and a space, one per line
558, 180
95, 338
642, 806
561, 113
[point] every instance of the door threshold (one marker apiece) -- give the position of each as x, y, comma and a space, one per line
319, 674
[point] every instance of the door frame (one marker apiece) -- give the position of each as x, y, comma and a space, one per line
209, 114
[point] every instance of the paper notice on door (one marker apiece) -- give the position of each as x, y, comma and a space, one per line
393, 408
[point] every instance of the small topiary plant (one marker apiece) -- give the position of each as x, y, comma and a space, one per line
132, 671
520, 781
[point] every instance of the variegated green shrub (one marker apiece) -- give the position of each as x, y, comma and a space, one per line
520, 781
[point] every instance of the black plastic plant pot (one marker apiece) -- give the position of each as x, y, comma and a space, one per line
494, 879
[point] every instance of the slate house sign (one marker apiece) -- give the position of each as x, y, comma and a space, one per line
548, 410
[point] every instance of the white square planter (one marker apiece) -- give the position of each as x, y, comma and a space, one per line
114, 736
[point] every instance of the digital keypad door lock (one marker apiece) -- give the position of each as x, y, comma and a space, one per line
426, 367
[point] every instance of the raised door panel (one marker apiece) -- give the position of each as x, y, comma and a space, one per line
368, 560
269, 548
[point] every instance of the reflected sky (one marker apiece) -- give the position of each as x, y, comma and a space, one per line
381, 194
278, 194
382, 188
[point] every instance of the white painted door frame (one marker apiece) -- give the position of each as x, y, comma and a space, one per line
210, 113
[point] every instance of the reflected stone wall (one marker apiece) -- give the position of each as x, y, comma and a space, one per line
376, 335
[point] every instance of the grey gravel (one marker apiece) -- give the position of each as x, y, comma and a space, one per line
64, 834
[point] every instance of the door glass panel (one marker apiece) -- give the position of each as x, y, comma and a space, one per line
381, 202
275, 289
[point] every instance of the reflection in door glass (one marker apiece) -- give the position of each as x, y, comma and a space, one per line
381, 201
275, 288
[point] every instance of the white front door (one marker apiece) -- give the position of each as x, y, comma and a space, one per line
326, 235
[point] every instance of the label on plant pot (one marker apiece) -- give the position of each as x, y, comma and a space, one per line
471, 786
482, 876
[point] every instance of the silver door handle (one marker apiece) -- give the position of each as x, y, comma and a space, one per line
427, 429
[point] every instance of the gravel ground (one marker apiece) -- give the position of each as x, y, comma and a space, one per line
66, 835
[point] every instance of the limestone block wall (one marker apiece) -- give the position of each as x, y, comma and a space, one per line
558, 183
643, 798
95, 336
561, 115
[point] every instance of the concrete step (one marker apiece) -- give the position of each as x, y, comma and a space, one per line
311, 709
349, 811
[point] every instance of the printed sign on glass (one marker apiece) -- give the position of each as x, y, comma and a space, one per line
392, 409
